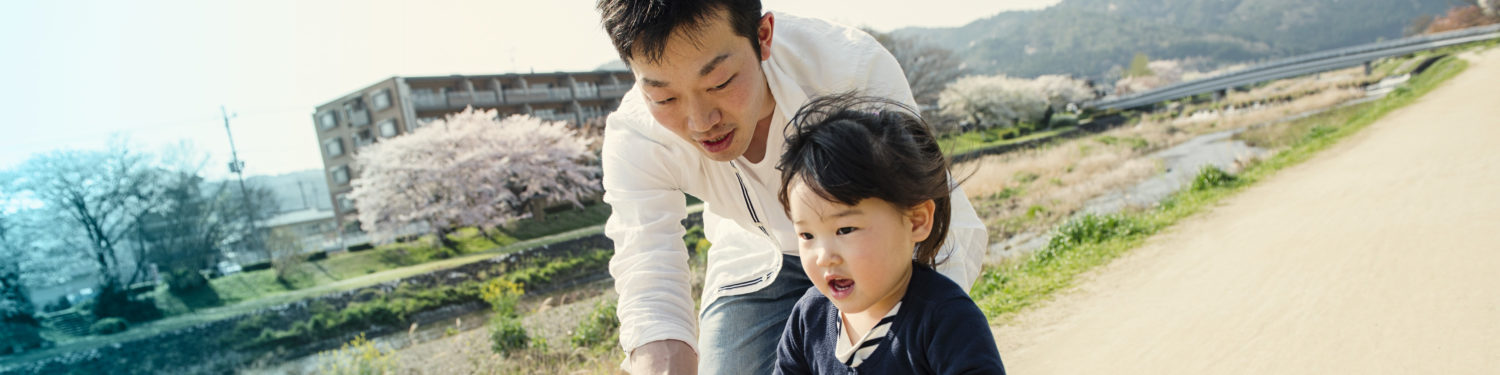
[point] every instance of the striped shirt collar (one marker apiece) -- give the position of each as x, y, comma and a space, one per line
853, 355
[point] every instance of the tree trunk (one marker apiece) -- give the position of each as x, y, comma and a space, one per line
538, 208
487, 235
443, 242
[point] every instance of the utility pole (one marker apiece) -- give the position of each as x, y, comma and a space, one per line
302, 193
237, 166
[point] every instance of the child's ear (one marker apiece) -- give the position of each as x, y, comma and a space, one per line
920, 217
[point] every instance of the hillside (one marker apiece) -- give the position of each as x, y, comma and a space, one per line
1088, 37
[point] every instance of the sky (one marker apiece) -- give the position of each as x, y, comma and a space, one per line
156, 73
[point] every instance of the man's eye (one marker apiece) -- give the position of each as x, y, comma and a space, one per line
721, 86
846, 230
665, 101
805, 236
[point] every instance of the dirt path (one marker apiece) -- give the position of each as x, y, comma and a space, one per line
1379, 255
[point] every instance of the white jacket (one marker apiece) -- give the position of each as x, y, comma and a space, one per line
647, 169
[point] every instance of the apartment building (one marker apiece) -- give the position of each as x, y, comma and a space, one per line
398, 105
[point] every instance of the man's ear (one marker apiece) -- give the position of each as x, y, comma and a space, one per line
764, 33
920, 217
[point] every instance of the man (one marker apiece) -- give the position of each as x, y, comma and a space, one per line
716, 82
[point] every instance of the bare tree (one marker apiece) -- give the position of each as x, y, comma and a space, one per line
928, 68
101, 193
286, 253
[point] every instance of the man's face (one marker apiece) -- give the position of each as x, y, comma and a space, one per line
708, 88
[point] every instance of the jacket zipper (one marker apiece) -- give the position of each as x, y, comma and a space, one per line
750, 205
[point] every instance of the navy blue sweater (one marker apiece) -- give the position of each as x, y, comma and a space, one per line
938, 330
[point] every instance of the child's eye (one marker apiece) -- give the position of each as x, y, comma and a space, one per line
665, 101
846, 230
805, 236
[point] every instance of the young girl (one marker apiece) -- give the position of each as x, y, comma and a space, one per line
867, 188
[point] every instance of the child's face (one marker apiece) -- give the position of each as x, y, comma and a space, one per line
859, 256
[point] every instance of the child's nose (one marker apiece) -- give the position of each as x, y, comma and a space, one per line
825, 256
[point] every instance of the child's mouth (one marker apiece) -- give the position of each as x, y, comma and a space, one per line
840, 288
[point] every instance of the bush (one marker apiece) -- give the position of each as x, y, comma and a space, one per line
17, 335
1089, 229
1211, 177
598, 328
359, 356
114, 302
1060, 121
184, 281
108, 326
507, 335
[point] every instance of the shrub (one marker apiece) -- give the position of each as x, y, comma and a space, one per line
1059, 121
507, 335
503, 296
599, 327
356, 357
114, 302
1089, 229
1211, 177
108, 326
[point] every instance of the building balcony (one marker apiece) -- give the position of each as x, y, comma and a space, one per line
586, 92
531, 95
486, 98
613, 91
429, 101
460, 99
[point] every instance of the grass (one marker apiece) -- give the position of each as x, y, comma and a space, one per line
1090, 241
246, 286
397, 307
558, 222
976, 140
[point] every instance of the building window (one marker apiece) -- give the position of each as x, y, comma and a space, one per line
388, 128
334, 147
362, 139
381, 100
341, 174
344, 203
355, 111
328, 120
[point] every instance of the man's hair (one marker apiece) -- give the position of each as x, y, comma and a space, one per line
847, 148
644, 26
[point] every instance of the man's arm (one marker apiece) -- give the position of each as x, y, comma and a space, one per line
962, 255
650, 264
663, 357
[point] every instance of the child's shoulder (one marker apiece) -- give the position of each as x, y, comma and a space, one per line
929, 287
813, 300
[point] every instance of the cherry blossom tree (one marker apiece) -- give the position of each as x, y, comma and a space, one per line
1063, 90
988, 101
470, 169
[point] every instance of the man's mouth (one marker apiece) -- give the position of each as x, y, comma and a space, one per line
718, 144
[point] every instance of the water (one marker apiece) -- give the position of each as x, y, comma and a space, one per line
1181, 163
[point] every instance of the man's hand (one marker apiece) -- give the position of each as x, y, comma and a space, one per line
664, 357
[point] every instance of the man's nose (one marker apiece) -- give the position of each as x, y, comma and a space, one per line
704, 118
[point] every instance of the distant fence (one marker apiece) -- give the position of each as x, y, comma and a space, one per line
1300, 65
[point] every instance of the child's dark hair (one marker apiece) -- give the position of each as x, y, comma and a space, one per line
847, 148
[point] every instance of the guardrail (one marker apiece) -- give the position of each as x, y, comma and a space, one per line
1300, 65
